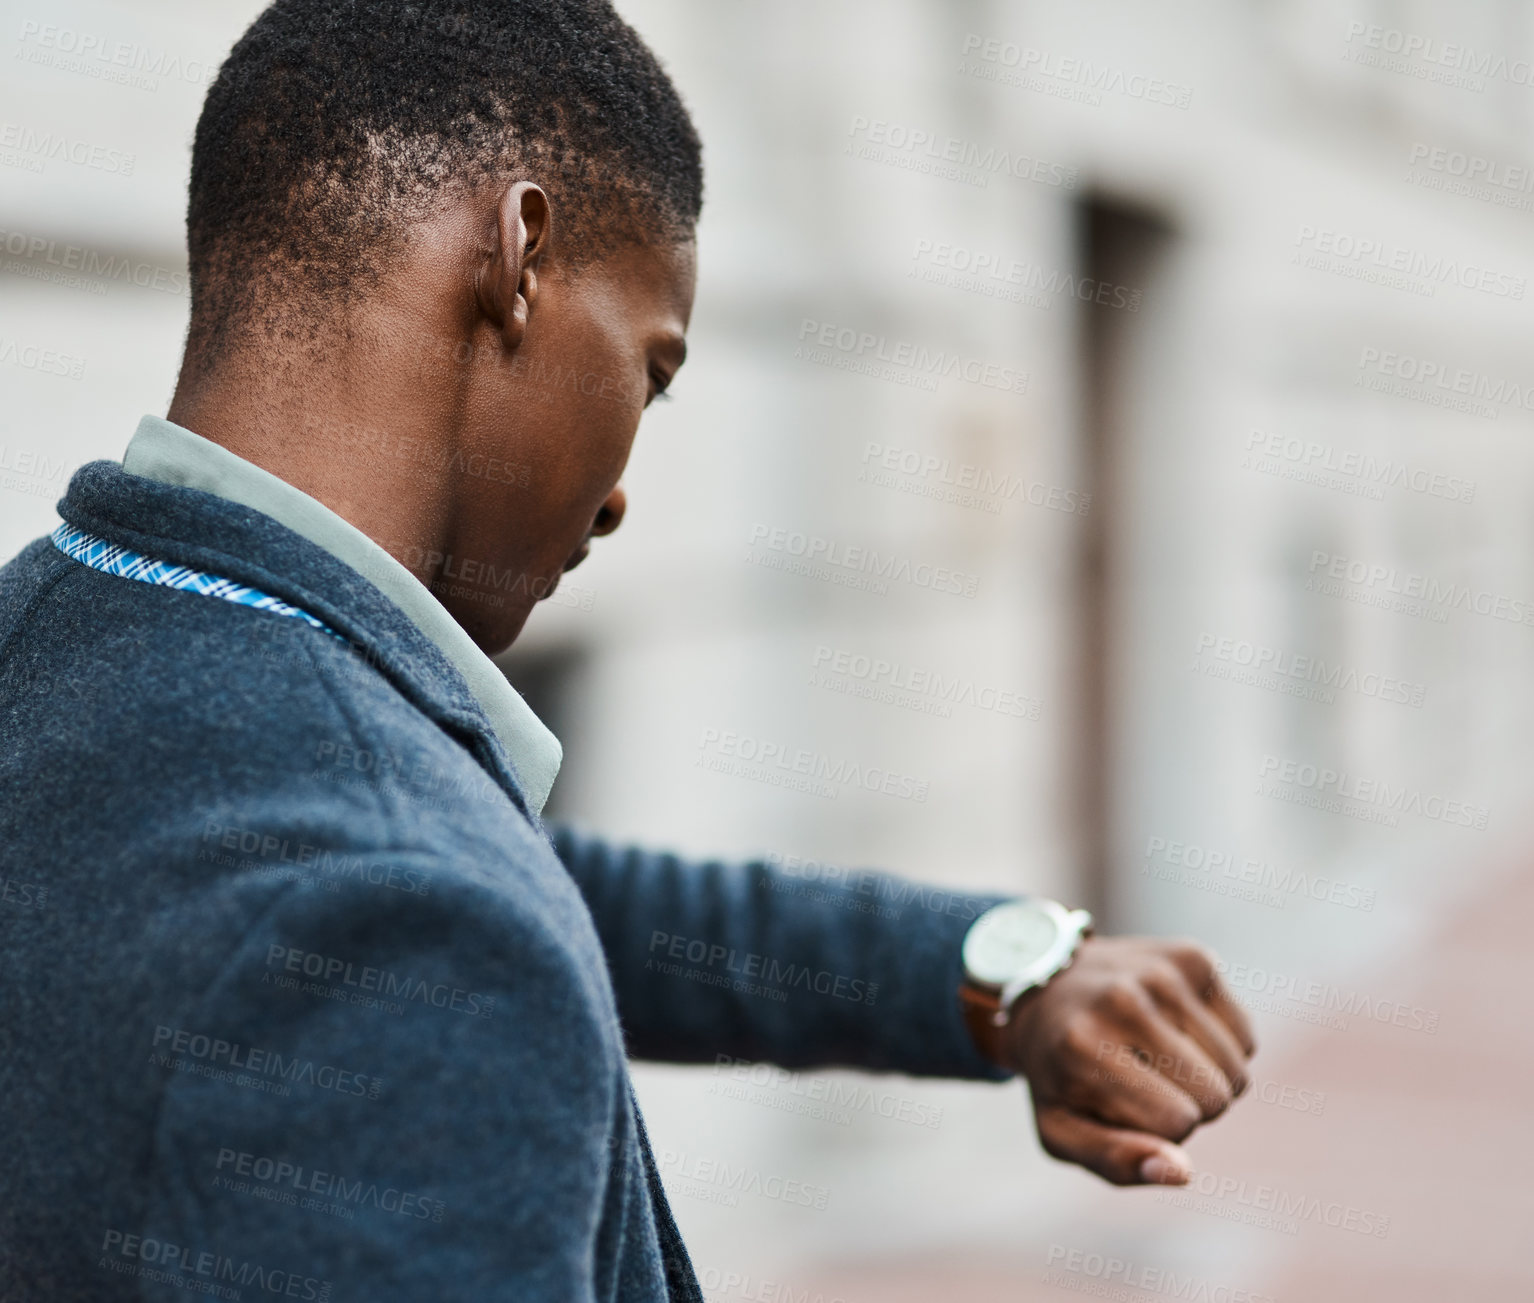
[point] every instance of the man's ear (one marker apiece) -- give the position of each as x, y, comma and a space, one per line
508, 281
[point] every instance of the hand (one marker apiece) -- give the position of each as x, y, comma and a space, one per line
1126, 1052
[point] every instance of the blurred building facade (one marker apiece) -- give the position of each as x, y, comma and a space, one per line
1105, 452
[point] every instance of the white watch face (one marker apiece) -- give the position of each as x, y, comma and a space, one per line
1008, 940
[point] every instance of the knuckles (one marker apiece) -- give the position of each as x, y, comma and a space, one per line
1082, 1041
1123, 996
1163, 977
1194, 961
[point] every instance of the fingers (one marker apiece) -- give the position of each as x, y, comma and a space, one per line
1131, 1093
1197, 965
1159, 1047
1170, 989
1233, 1016
1124, 1157
1138, 1035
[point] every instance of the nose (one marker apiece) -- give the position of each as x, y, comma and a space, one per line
610, 515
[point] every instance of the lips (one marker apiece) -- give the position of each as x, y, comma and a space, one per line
579, 555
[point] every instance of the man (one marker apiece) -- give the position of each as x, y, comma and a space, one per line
308, 1000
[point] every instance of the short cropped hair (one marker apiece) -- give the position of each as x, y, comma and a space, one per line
334, 124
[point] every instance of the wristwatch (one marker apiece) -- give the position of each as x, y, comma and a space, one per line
1016, 947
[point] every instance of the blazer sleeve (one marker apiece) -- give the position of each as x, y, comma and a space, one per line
746, 960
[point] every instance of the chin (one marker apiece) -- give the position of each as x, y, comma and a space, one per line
493, 632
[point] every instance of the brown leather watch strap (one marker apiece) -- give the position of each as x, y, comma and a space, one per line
977, 1001
980, 1006
979, 1012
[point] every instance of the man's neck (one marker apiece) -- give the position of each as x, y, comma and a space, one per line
367, 457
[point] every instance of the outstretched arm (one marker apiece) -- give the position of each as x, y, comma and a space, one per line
710, 958
1126, 1052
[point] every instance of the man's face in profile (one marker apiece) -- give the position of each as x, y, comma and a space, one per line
564, 403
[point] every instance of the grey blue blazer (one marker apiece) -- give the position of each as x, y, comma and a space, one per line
300, 1001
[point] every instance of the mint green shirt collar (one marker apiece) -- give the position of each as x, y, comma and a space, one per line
161, 450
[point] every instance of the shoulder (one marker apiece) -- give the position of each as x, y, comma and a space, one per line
172, 678
163, 721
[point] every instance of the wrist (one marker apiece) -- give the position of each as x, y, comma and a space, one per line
997, 1043
1009, 955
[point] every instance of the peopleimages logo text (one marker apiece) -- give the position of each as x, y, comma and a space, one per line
1431, 376
337, 971
1093, 78
1325, 995
865, 346
1428, 50
884, 566
1436, 269
1339, 783
985, 160
1407, 583
701, 953
755, 757
179, 1265
1287, 667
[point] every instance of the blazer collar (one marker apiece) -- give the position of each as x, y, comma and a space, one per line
172, 522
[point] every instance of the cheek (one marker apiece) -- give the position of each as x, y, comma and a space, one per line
606, 435
583, 444
587, 452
